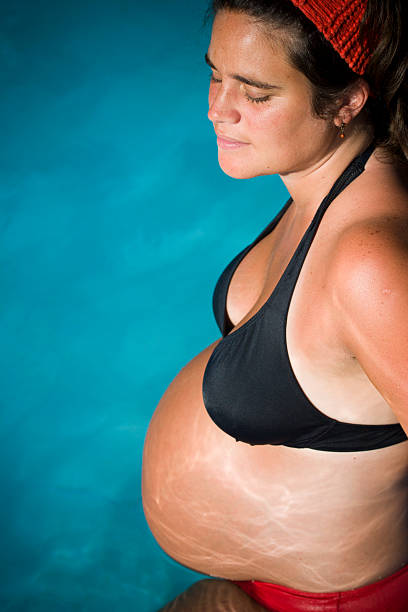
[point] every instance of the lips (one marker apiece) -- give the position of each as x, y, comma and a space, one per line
229, 139
230, 144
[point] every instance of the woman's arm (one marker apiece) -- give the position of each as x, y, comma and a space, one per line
369, 288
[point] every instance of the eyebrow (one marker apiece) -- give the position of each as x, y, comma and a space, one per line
237, 77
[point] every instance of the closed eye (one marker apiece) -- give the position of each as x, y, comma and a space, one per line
213, 79
255, 100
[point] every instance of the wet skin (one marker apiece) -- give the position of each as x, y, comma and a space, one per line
312, 520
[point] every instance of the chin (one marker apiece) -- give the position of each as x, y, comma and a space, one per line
237, 170
244, 166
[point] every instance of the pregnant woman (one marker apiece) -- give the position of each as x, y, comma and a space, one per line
277, 459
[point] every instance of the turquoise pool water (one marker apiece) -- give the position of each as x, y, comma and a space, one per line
115, 223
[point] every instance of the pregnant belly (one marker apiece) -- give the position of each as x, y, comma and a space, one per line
308, 519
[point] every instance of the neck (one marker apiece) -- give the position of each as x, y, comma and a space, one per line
309, 186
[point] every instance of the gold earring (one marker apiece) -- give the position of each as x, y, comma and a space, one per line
342, 126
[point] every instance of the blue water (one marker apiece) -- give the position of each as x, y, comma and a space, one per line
115, 222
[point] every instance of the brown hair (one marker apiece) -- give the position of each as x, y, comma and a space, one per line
385, 23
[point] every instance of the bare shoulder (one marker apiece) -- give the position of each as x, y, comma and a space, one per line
369, 256
367, 282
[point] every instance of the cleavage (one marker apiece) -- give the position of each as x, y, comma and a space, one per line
257, 275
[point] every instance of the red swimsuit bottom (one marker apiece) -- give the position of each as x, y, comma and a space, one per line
387, 595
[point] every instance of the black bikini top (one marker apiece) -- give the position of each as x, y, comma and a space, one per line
249, 388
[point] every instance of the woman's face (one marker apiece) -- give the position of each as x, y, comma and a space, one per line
258, 99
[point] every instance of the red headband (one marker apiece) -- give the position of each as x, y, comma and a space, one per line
339, 21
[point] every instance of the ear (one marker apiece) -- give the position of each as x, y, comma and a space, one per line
353, 102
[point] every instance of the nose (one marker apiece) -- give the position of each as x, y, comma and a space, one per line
221, 106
